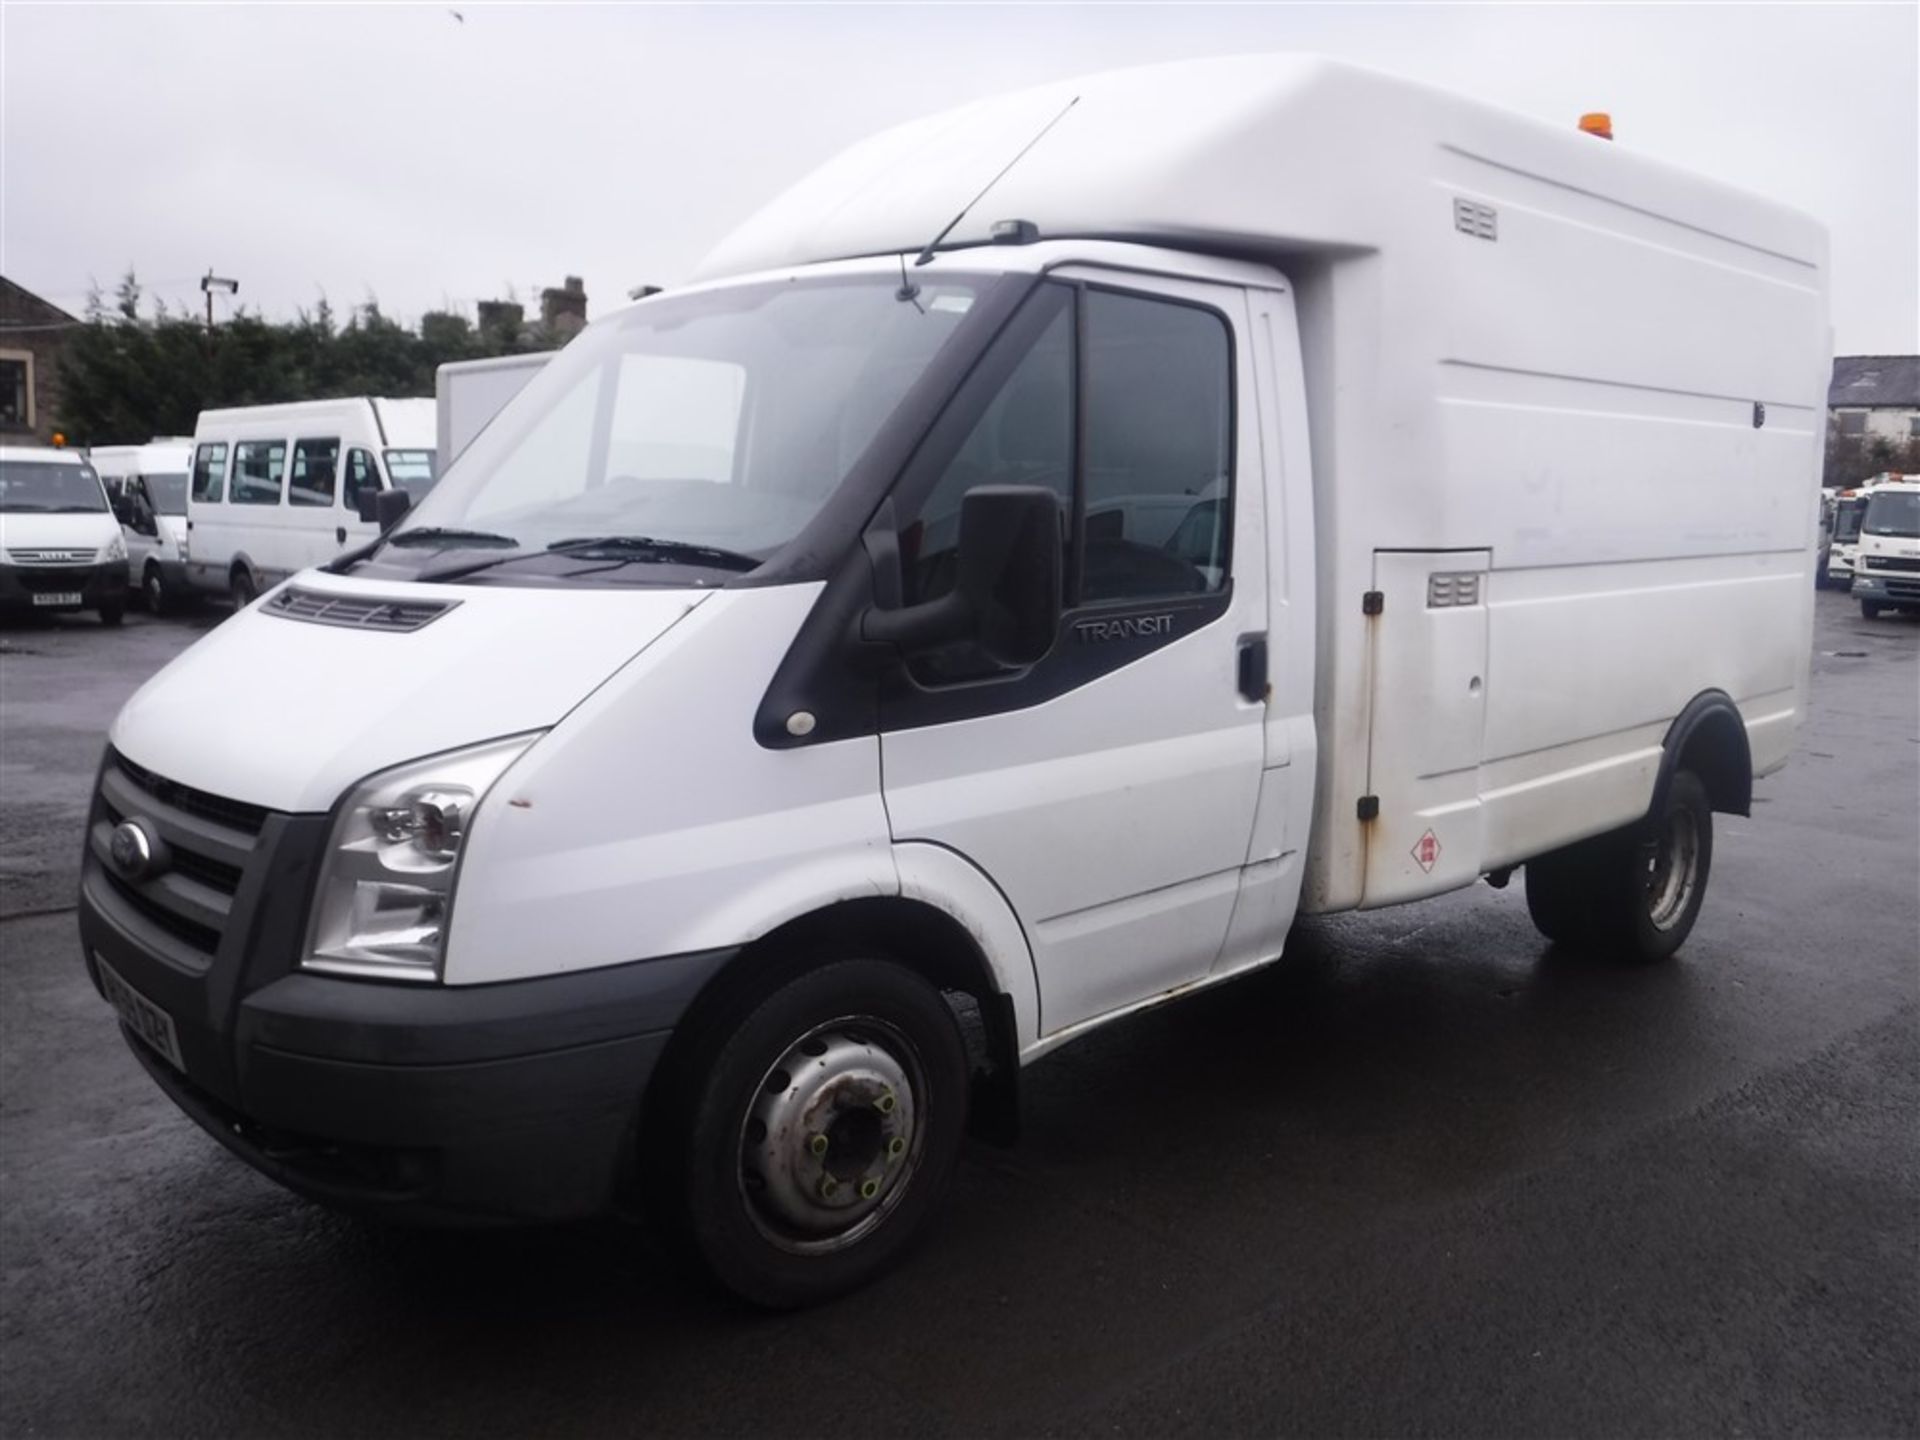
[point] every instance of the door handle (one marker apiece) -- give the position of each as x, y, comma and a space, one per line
340, 533
1253, 667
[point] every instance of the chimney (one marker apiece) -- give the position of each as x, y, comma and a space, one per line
501, 315
563, 311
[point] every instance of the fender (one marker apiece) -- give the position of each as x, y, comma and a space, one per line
1724, 759
949, 882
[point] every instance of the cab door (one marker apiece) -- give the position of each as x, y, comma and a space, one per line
1109, 789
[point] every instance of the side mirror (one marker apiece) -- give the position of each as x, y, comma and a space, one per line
1006, 594
384, 507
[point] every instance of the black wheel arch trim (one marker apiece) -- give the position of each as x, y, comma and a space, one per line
1711, 716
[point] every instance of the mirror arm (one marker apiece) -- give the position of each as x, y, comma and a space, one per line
934, 623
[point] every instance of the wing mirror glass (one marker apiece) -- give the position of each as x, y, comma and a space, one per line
1006, 594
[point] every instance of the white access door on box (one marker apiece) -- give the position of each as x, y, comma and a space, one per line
1109, 790
1429, 716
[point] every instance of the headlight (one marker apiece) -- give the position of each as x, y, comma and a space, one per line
114, 549
385, 897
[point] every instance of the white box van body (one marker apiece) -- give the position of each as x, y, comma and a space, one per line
60, 547
1340, 492
277, 488
467, 394
148, 487
1886, 565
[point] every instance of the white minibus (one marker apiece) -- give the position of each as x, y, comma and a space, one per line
277, 488
832, 685
60, 547
147, 485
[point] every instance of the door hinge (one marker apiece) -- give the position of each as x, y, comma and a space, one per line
1372, 603
1369, 807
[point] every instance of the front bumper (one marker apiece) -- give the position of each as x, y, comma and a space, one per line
444, 1103
1887, 587
94, 584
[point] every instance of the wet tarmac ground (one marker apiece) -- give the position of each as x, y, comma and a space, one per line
1426, 1176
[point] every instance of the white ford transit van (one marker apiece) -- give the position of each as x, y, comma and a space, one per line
147, 486
276, 488
60, 547
1287, 489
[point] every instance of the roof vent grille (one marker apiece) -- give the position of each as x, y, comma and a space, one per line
355, 612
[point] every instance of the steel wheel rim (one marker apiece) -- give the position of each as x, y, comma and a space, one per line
1673, 869
857, 1083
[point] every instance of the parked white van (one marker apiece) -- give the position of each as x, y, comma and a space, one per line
60, 547
467, 394
147, 487
277, 488
1288, 489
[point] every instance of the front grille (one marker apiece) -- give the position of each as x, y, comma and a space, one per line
1903, 589
205, 841
356, 612
51, 557
233, 813
1893, 562
52, 580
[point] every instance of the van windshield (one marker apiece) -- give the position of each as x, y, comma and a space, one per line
169, 493
1893, 512
721, 419
414, 471
35, 485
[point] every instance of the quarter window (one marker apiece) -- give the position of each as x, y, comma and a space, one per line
316, 463
258, 468
210, 473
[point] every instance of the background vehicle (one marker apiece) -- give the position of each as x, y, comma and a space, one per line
469, 393
1886, 572
1848, 510
60, 547
147, 488
277, 488
1234, 514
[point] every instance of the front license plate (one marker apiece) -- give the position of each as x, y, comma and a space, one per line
58, 597
141, 1015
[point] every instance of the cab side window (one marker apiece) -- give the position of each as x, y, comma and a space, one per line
363, 477
1158, 398
1122, 405
258, 468
316, 463
210, 473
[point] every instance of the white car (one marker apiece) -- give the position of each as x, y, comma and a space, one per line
60, 546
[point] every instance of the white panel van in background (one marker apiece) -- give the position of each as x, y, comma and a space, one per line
147, 485
833, 685
469, 393
275, 489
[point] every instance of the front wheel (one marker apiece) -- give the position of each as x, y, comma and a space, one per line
820, 1132
112, 612
241, 586
153, 590
1869, 609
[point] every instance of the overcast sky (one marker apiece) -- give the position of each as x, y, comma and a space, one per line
396, 151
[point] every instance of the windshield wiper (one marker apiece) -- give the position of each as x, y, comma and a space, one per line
449, 536
627, 549
642, 547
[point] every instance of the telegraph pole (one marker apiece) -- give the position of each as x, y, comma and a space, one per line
209, 283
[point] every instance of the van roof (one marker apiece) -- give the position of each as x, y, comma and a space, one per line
1260, 155
42, 454
407, 422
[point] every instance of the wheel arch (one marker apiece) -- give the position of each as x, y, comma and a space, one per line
1710, 739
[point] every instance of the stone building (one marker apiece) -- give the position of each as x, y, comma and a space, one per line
33, 333
1876, 396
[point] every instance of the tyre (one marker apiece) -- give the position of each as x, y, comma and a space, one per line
1634, 894
814, 1132
112, 612
1870, 609
240, 585
153, 590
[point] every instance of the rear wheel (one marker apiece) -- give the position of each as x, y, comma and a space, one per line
241, 586
817, 1132
1633, 894
1870, 610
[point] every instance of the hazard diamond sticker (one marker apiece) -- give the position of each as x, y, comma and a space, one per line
1426, 851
